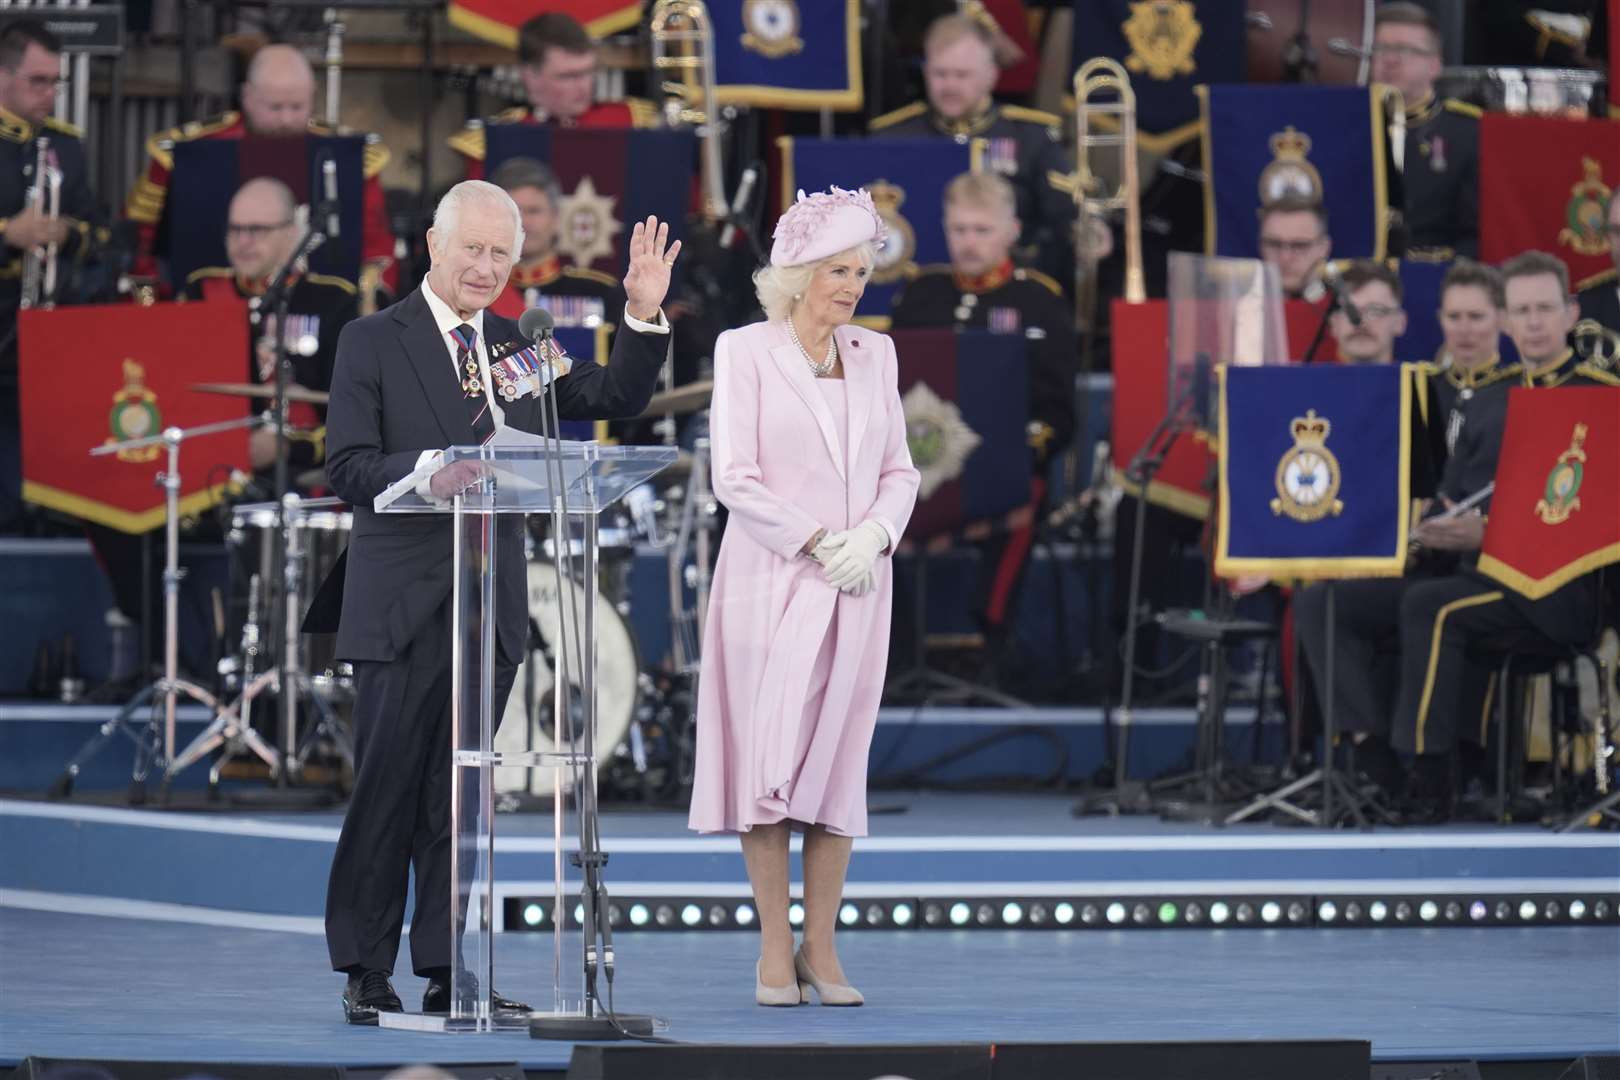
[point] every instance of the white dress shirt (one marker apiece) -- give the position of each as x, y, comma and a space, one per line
447, 320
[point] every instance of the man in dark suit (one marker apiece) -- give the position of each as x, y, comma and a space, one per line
409, 381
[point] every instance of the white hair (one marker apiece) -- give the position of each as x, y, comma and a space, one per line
780, 287
447, 215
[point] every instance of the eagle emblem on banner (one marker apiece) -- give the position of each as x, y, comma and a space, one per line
1290, 171
1308, 474
135, 415
587, 227
939, 439
896, 256
1585, 213
1162, 35
772, 27
1562, 495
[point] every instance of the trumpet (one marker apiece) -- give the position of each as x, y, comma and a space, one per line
683, 43
45, 199
1096, 74
1597, 344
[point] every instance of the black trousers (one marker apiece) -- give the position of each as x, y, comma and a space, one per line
1366, 648
399, 815
1444, 692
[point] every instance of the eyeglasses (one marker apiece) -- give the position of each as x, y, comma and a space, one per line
40, 82
1403, 52
1378, 311
1290, 247
254, 232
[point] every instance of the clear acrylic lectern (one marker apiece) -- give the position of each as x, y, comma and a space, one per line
572, 482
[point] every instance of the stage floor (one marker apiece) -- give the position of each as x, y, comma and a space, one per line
119, 988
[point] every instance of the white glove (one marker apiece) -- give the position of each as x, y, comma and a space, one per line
847, 557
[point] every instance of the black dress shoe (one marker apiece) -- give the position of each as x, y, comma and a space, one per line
367, 994
436, 999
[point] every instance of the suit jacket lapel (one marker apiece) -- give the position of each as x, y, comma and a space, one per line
793, 367
860, 383
419, 335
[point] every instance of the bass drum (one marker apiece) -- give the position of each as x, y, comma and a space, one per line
617, 670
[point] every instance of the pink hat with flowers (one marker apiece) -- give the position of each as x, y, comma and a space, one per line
824, 224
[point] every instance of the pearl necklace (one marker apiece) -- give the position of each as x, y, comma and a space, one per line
822, 368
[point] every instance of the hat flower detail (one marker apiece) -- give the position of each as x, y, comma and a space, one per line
809, 228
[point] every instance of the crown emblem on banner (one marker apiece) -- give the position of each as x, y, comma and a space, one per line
1561, 498
1162, 35
1310, 429
899, 245
135, 415
1308, 475
1586, 212
1290, 171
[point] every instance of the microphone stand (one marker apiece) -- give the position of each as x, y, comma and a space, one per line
1322, 325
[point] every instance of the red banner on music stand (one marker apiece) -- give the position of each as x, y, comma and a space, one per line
1555, 513
95, 375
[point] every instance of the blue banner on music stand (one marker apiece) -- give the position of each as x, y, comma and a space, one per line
769, 55
1315, 471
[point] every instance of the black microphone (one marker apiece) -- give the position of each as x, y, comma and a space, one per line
1330, 275
536, 323
329, 196
739, 203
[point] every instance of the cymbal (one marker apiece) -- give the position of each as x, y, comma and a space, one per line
262, 390
691, 398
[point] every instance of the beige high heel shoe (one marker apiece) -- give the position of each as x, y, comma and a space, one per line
829, 993
794, 993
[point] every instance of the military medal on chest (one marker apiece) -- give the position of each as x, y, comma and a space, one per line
1308, 474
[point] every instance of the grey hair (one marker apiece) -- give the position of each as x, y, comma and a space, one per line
779, 287
447, 215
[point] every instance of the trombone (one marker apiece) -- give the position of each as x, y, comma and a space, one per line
683, 42
1099, 74
39, 263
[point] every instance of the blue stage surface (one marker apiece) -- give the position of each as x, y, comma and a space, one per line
117, 988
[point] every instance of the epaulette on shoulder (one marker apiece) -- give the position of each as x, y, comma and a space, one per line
1603, 277
13, 130
64, 127
208, 272
469, 141
161, 145
643, 113
1024, 273
1499, 373
515, 115
900, 115
1597, 374
331, 281
375, 158
586, 274
1462, 108
1031, 116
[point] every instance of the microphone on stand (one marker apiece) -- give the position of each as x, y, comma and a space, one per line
536, 324
329, 198
1330, 275
739, 203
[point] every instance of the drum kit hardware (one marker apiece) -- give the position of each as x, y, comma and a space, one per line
264, 391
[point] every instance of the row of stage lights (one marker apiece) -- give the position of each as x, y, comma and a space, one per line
528, 913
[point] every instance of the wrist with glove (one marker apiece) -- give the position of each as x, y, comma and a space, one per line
848, 558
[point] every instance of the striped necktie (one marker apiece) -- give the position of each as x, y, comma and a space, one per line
472, 383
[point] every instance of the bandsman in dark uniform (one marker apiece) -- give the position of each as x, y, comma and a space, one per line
981, 289
1024, 145
278, 99
30, 66
1465, 404
1441, 176
557, 63
1599, 295
1440, 617
260, 237
575, 296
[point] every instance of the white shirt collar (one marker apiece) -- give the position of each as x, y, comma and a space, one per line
445, 317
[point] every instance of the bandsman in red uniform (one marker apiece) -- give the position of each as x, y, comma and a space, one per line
278, 99
557, 63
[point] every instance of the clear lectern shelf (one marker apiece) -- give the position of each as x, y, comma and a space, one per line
523, 478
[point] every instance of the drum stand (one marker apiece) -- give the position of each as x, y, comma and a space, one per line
154, 740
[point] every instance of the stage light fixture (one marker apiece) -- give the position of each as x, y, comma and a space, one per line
985, 915
933, 915
1091, 914
1403, 911
1552, 909
1167, 913
1012, 913
1377, 911
1245, 913
1428, 911
1063, 913
615, 915
639, 915
691, 914
1527, 910
533, 915
874, 915
1503, 910
1270, 911
1141, 914
1116, 913
1454, 911
664, 916
1327, 911
1600, 909
1194, 912
718, 916
1577, 909
745, 915
902, 914
1478, 910
1298, 912
795, 914
849, 914
1219, 912
1037, 914
960, 914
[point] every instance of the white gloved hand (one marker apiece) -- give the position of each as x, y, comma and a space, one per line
848, 556
862, 586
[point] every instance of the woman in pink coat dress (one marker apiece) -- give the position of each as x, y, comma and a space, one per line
810, 459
